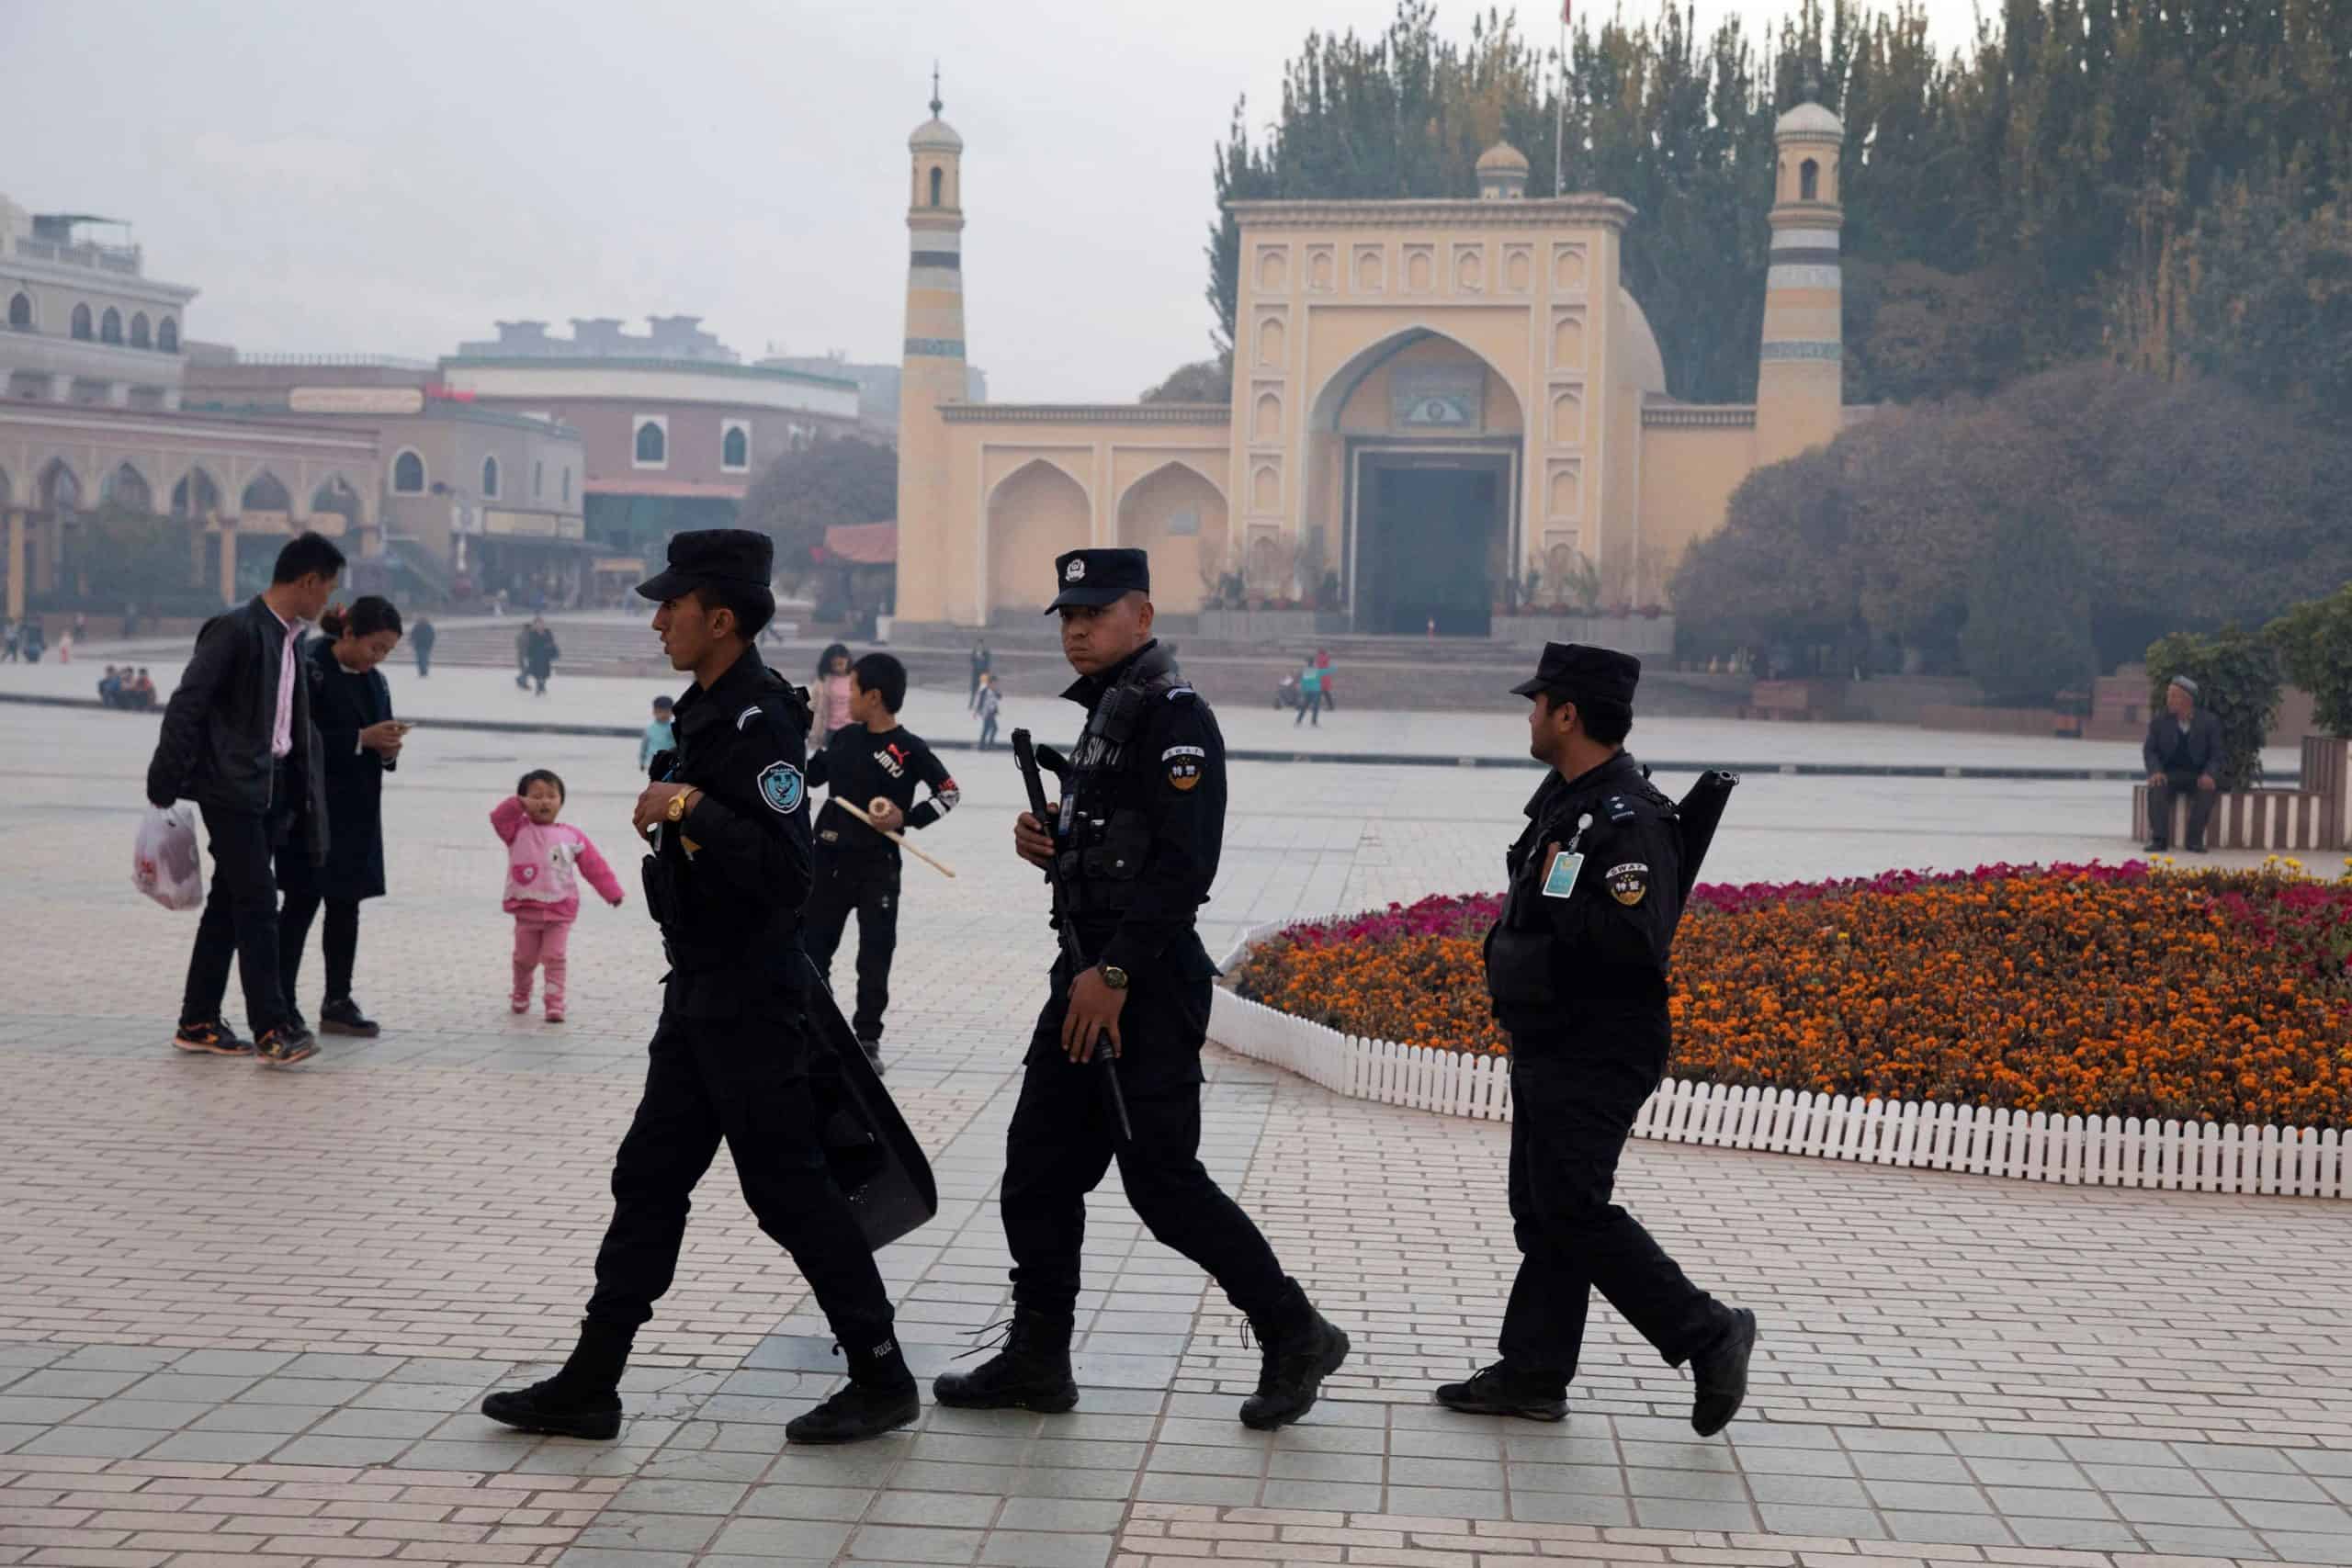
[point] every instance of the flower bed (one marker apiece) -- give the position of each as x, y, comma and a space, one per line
2128, 991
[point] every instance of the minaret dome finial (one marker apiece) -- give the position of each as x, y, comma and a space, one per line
935, 104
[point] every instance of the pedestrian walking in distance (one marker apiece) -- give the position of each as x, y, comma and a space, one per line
1136, 838
875, 765
727, 818
1577, 970
237, 740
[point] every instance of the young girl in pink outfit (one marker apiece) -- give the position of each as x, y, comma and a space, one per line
544, 859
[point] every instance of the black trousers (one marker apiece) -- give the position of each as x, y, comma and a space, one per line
1064, 1137
2200, 808
240, 922
869, 885
1573, 1104
744, 1079
339, 942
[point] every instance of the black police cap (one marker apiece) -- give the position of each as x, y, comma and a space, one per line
1571, 672
1098, 577
713, 555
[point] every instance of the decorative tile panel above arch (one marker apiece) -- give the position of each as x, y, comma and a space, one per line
1371, 269
1420, 268
1571, 268
1564, 489
1568, 339
1322, 269
1273, 269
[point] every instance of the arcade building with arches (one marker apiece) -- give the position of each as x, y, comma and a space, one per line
1432, 399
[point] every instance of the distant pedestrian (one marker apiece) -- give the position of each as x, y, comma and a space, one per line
660, 736
142, 691
1310, 694
988, 701
1323, 662
523, 659
65, 646
237, 740
110, 687
9, 632
540, 653
544, 859
421, 638
981, 663
130, 621
30, 640
359, 742
81, 627
830, 696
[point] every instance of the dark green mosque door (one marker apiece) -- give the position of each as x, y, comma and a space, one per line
1431, 535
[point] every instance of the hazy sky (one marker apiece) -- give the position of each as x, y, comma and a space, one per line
390, 178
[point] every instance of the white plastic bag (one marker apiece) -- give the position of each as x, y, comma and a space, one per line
164, 864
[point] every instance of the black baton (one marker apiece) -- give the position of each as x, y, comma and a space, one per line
1024, 757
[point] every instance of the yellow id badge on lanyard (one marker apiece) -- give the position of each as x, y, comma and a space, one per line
1560, 881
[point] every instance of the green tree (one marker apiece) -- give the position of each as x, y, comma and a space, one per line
1202, 381
2315, 643
2028, 637
837, 479
2238, 679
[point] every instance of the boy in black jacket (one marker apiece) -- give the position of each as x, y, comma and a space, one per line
869, 762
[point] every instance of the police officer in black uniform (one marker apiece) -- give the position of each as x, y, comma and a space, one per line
1138, 834
728, 823
1577, 967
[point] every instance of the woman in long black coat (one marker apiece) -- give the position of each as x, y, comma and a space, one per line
360, 742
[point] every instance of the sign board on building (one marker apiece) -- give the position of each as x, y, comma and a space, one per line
356, 399
1437, 397
503, 524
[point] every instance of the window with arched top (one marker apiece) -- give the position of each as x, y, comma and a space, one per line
652, 444
1809, 181
167, 336
408, 474
735, 450
110, 326
567, 487
938, 178
82, 322
20, 312
489, 479
140, 336
538, 477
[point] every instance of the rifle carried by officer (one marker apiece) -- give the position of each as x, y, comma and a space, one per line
1025, 756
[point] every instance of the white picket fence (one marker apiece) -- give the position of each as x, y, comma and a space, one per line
2095, 1151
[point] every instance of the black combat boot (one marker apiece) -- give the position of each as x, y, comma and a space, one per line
583, 1400
1031, 1372
1504, 1390
879, 1397
342, 1017
1720, 1373
1301, 1348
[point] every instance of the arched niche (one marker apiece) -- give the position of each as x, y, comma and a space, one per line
1033, 515
1179, 518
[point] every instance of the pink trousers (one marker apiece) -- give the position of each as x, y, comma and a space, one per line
537, 942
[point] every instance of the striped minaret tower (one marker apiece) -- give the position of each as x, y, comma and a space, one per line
1800, 384
932, 370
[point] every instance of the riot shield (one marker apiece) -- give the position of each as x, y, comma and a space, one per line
1696, 817
868, 1149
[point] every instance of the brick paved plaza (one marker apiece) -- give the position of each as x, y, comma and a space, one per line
246, 1316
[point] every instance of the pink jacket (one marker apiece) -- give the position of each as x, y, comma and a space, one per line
542, 885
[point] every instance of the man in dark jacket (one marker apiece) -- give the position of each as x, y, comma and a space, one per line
237, 740
2183, 753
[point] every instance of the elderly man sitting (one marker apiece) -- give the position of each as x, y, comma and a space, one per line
2183, 753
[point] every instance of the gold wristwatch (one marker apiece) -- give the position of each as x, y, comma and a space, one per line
678, 806
1114, 976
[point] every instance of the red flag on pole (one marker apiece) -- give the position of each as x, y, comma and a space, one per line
1565, 6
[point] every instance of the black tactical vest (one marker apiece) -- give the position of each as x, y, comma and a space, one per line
1102, 835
